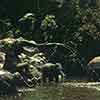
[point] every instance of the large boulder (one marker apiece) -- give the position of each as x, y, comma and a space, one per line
7, 82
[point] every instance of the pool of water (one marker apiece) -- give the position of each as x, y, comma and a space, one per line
56, 93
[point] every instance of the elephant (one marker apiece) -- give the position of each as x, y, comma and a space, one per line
29, 59
29, 75
14, 47
93, 68
51, 72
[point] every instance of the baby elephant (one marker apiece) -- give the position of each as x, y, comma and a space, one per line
51, 72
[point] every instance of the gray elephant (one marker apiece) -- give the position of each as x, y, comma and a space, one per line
93, 68
51, 72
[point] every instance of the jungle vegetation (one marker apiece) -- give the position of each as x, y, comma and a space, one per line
74, 23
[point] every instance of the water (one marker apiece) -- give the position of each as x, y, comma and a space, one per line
57, 93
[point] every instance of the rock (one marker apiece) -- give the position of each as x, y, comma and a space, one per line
7, 84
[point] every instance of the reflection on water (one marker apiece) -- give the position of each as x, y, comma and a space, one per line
57, 93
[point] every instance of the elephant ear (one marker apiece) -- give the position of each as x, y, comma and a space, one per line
34, 72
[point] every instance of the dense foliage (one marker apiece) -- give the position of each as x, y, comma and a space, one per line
70, 23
